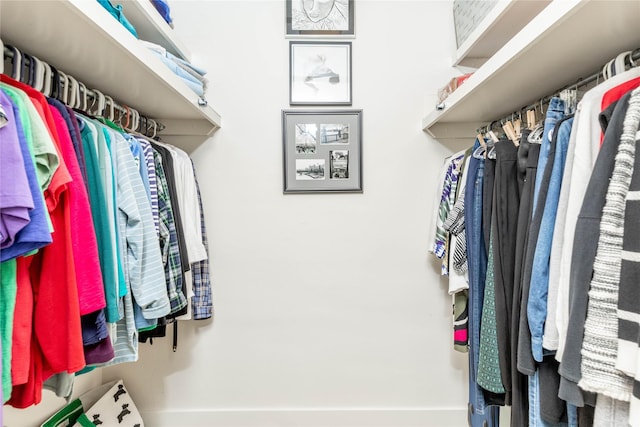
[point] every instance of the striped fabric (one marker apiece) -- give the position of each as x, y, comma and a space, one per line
142, 258
629, 292
455, 225
600, 344
201, 303
153, 185
447, 201
169, 241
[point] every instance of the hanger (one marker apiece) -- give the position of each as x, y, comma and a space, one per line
510, 132
73, 92
128, 116
46, 87
55, 82
155, 127
82, 96
620, 64
101, 103
16, 71
136, 120
29, 65
38, 81
111, 112
143, 120
517, 126
62, 94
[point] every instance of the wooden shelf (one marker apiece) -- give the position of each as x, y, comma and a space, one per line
152, 27
82, 39
503, 22
568, 40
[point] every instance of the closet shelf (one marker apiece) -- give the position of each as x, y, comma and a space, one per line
567, 40
84, 40
502, 22
151, 27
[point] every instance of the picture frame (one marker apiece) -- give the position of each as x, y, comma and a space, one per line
319, 73
320, 18
322, 151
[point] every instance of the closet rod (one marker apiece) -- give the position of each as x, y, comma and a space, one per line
123, 110
634, 56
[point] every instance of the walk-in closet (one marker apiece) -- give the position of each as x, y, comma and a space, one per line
319, 213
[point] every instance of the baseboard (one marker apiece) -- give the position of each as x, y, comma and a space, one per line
366, 417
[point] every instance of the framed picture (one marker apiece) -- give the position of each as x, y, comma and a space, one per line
319, 73
322, 151
320, 17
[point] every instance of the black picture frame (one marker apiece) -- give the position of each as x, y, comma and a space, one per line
322, 151
320, 73
320, 18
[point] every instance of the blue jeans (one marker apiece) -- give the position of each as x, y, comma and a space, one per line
479, 412
535, 420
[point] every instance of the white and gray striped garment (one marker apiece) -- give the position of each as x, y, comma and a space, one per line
629, 293
600, 344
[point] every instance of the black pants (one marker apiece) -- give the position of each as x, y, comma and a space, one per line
506, 203
528, 165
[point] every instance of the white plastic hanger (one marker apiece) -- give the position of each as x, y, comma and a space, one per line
73, 91
46, 88
111, 112
38, 82
101, 103
82, 102
64, 89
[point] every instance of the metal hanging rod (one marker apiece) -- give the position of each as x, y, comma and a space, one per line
143, 124
581, 83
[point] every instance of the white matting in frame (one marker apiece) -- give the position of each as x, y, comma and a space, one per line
319, 73
322, 151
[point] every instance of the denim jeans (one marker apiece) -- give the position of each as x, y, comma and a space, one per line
479, 412
535, 420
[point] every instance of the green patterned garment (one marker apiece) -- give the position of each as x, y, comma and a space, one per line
489, 377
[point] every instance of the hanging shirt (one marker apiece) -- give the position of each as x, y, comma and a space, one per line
581, 155
447, 201
15, 195
102, 218
151, 173
7, 305
201, 302
144, 272
628, 312
83, 235
539, 285
35, 233
188, 202
600, 344
44, 152
169, 242
53, 280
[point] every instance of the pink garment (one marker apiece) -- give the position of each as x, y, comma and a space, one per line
83, 236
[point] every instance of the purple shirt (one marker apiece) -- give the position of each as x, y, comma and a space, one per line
36, 233
15, 196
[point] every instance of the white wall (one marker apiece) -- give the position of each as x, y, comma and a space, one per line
310, 335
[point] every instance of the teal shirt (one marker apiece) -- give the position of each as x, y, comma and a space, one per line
102, 220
